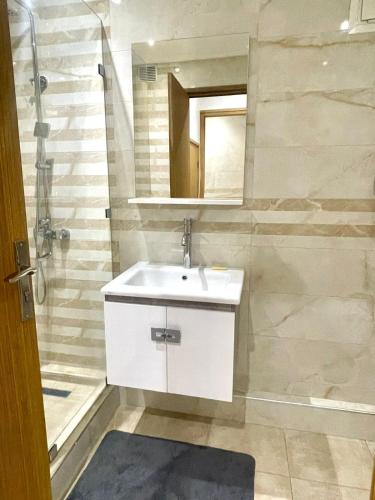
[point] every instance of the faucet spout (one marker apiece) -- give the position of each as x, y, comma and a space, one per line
186, 243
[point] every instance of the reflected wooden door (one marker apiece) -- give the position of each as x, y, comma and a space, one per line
24, 465
179, 139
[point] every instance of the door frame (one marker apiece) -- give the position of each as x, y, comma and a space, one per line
24, 463
204, 114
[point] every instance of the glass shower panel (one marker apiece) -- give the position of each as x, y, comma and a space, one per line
66, 192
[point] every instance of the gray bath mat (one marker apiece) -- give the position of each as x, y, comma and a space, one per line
132, 467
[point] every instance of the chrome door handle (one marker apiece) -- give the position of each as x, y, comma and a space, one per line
15, 278
22, 278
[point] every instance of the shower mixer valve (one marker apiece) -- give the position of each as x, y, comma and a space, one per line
61, 234
44, 229
57, 234
46, 165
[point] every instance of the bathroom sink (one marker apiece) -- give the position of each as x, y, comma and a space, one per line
198, 284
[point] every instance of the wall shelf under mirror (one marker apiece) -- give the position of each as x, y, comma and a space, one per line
185, 201
190, 120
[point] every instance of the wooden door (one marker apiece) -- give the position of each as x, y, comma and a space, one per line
133, 358
179, 138
194, 170
201, 364
24, 465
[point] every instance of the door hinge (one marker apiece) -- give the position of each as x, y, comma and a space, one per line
108, 213
101, 70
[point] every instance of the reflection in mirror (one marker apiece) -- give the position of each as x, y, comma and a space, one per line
190, 101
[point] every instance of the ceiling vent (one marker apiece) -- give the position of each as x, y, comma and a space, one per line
147, 73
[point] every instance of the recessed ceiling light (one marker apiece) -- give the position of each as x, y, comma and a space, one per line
151, 43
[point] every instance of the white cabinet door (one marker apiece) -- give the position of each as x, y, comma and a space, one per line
133, 359
202, 363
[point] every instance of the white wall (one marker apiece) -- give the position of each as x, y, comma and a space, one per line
224, 156
204, 103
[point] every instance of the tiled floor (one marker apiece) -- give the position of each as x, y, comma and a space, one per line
289, 464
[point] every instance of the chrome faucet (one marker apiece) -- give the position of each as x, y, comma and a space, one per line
186, 242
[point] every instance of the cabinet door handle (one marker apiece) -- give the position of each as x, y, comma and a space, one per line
158, 334
173, 336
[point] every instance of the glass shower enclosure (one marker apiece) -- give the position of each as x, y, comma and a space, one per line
57, 49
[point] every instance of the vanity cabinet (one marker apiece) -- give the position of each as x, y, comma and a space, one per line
178, 350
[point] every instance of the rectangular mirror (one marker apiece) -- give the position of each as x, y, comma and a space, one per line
190, 107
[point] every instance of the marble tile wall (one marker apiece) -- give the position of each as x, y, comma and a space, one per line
305, 233
151, 134
70, 322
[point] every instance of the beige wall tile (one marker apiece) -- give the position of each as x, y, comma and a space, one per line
326, 61
333, 319
311, 368
308, 271
130, 20
286, 17
183, 404
314, 172
310, 418
341, 117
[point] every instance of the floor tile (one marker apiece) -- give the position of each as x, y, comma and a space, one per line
329, 459
127, 419
265, 444
311, 490
179, 429
272, 487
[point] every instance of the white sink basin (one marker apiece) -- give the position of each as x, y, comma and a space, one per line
198, 284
